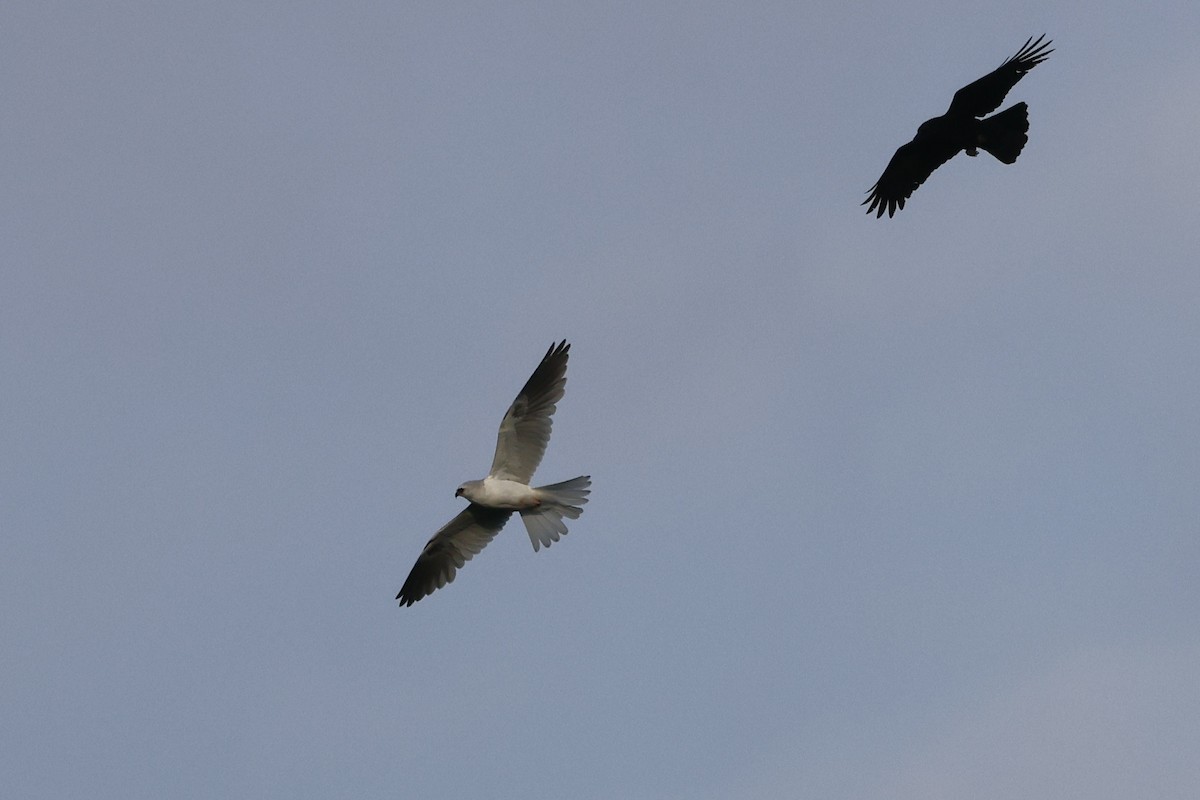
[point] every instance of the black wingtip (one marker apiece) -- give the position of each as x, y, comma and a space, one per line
561, 348
878, 206
1033, 52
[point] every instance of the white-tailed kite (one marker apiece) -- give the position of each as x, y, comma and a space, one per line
524, 432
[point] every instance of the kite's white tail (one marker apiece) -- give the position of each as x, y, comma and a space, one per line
545, 522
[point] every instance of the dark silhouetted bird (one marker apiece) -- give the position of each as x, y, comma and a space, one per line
961, 128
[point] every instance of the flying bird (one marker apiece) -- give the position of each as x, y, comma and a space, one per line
524, 433
961, 128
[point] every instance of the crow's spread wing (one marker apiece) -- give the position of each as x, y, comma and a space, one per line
986, 94
908, 169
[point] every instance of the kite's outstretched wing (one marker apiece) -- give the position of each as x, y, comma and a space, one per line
525, 429
450, 548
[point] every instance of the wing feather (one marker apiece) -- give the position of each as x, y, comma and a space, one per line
451, 548
525, 429
911, 166
986, 94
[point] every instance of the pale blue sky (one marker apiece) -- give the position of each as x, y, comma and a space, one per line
899, 509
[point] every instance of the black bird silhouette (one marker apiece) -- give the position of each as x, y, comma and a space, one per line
960, 128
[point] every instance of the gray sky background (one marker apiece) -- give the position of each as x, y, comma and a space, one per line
898, 509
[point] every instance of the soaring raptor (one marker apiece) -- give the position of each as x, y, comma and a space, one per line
524, 434
961, 128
